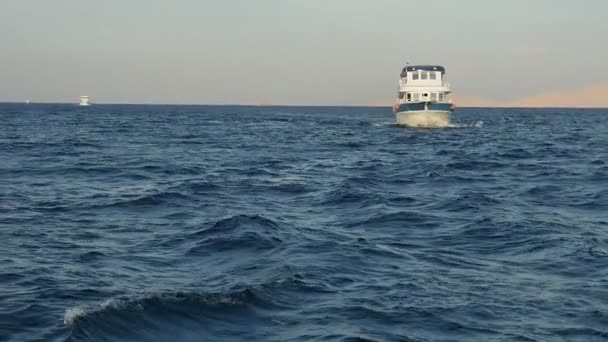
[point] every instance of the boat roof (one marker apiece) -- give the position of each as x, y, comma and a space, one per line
425, 68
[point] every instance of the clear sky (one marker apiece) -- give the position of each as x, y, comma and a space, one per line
294, 51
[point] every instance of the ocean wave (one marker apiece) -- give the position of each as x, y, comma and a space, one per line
151, 200
192, 186
180, 303
282, 187
477, 165
240, 222
236, 232
243, 241
92, 256
146, 199
187, 315
404, 219
292, 188
468, 201
343, 196
351, 191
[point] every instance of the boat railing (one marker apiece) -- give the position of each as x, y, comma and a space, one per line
404, 82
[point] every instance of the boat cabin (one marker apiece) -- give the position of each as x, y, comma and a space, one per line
423, 83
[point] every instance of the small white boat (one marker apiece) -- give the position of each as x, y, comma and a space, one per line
84, 101
423, 97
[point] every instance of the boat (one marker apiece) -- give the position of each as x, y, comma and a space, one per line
84, 101
422, 100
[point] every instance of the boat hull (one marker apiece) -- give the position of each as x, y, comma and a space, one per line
424, 114
424, 118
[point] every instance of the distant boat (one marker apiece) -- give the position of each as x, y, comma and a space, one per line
27, 101
423, 97
84, 101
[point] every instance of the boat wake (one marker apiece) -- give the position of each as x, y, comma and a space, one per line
384, 123
478, 124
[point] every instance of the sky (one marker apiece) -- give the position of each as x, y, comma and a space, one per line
300, 52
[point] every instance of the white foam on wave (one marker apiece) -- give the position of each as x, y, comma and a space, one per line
383, 124
478, 124
72, 314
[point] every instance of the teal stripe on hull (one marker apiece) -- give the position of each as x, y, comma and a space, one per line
419, 106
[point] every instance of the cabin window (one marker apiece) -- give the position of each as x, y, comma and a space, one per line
424, 75
433, 96
416, 97
440, 96
401, 95
433, 76
415, 75
425, 95
408, 97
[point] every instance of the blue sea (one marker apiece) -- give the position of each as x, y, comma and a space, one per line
236, 223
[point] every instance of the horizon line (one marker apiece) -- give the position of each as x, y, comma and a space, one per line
75, 104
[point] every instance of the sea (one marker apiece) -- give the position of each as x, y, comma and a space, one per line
253, 223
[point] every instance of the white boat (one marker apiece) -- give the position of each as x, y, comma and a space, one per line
84, 101
423, 97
